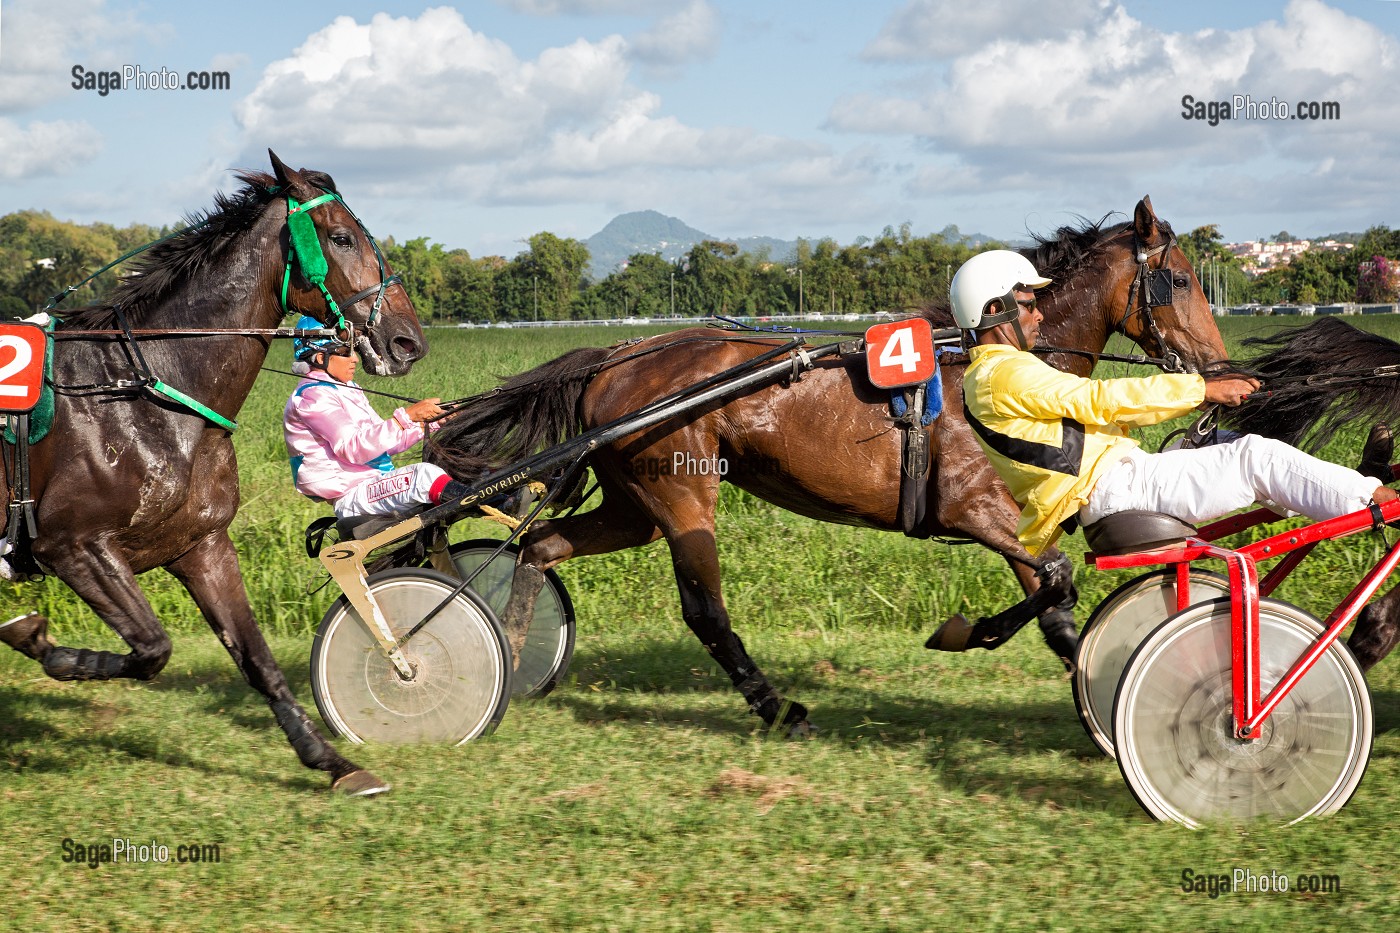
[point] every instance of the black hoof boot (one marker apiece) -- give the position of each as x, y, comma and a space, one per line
1376, 456
82, 664
1063, 639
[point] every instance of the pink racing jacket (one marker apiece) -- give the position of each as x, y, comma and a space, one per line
336, 441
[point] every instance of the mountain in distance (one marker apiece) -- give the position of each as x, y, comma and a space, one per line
668, 237
653, 232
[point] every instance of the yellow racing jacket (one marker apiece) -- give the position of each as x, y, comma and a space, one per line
1051, 435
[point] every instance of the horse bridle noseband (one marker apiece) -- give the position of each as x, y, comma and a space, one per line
1158, 287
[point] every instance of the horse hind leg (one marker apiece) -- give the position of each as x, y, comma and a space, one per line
1377, 630
115, 597
29, 635
684, 509
615, 525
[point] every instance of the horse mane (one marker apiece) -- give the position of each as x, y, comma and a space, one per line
1309, 415
207, 234
1061, 255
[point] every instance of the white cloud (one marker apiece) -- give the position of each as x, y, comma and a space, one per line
45, 148
936, 29
44, 39
1101, 104
690, 34
582, 7
434, 98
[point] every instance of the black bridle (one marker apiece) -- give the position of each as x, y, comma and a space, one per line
1158, 288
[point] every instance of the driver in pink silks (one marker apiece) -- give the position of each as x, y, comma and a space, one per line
340, 447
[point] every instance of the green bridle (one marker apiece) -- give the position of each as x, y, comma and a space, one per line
306, 248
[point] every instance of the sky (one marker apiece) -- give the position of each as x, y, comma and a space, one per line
479, 124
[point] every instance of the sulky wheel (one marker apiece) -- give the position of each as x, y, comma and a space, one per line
461, 683
1174, 726
1112, 634
550, 644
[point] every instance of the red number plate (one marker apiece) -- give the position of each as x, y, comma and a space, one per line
22, 349
900, 353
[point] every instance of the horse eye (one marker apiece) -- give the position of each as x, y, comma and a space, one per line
1180, 280
341, 240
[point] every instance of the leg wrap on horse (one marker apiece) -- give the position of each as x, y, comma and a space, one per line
1056, 591
83, 664
765, 701
1061, 635
311, 747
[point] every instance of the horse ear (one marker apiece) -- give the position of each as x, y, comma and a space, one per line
289, 179
1145, 220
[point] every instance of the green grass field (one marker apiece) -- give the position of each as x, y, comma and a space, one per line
943, 792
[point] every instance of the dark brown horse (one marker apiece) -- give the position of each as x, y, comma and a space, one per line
1317, 379
822, 446
129, 480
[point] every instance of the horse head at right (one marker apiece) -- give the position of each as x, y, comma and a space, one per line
1185, 322
341, 278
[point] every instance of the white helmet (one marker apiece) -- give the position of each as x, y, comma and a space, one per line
987, 277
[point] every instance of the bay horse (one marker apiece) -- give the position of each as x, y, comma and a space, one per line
128, 480
1318, 378
822, 446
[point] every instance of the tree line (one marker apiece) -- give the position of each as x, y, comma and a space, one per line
548, 279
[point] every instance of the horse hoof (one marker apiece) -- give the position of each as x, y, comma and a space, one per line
802, 729
1377, 453
28, 634
359, 783
951, 635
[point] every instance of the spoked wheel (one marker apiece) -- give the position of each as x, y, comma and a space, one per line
549, 647
461, 663
1119, 624
1174, 726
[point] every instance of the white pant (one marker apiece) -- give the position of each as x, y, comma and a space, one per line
1205, 483
396, 491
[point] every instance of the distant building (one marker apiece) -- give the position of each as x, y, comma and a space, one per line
1258, 256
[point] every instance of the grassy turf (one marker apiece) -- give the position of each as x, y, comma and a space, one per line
943, 792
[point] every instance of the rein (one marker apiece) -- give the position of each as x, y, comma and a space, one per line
949, 336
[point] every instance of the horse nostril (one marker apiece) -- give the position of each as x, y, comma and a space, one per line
405, 349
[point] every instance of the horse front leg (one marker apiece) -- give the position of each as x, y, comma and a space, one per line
209, 571
1048, 583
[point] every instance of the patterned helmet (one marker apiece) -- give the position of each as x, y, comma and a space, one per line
304, 348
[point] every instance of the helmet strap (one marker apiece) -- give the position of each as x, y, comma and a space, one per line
1020, 334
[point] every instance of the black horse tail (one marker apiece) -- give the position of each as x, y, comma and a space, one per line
1308, 415
525, 414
